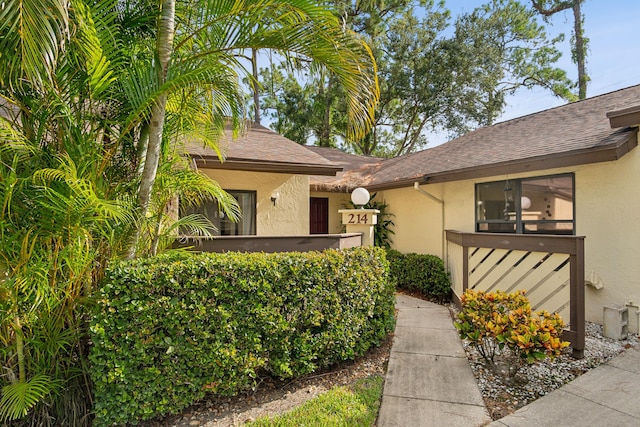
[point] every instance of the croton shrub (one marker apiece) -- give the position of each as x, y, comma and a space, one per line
495, 320
166, 330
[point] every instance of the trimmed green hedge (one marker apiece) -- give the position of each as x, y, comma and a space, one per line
423, 273
169, 329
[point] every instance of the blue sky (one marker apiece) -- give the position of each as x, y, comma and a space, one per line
613, 60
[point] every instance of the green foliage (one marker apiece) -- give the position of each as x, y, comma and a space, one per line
437, 73
579, 42
78, 83
18, 398
418, 272
171, 328
493, 321
356, 405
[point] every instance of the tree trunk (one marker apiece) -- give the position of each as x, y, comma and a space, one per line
579, 51
325, 136
164, 50
256, 92
17, 329
579, 47
141, 149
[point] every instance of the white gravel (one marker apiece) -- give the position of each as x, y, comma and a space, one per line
503, 396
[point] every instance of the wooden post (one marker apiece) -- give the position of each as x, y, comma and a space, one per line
577, 315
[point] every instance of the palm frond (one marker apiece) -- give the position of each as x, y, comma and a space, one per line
82, 200
297, 28
18, 398
191, 225
35, 32
98, 66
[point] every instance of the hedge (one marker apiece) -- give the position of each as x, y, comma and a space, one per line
422, 273
169, 329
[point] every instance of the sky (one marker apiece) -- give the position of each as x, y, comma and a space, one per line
613, 60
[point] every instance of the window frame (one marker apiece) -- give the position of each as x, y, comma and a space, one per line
519, 223
214, 216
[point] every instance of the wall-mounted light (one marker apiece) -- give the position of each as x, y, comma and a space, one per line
360, 197
274, 197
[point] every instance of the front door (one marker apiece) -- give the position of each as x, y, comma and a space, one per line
319, 215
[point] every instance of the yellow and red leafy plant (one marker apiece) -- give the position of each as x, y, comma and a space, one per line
495, 320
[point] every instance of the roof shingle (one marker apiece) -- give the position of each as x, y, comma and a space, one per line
262, 149
579, 128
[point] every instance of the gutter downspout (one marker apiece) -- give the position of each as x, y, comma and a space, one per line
416, 186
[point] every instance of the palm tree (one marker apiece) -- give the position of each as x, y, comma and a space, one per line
211, 41
94, 99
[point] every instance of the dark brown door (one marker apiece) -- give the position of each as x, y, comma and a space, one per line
319, 215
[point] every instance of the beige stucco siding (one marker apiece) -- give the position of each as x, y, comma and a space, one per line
337, 201
608, 214
417, 220
290, 215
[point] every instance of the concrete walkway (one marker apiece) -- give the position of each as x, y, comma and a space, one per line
608, 395
429, 382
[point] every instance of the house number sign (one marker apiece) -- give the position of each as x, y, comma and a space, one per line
358, 218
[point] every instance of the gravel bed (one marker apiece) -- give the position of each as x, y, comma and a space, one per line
503, 396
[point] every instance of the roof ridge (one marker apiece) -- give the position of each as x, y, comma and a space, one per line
579, 101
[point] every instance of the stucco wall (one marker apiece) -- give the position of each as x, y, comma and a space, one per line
608, 214
337, 201
290, 215
417, 220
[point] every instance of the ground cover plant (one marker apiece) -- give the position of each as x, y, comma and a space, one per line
355, 405
185, 324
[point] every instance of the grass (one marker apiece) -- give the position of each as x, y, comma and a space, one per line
355, 405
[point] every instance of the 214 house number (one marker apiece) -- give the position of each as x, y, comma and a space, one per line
358, 218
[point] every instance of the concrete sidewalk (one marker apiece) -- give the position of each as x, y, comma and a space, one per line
429, 381
608, 395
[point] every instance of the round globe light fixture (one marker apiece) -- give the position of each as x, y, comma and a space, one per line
525, 202
360, 196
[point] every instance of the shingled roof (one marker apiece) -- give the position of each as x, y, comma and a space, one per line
572, 134
357, 170
261, 149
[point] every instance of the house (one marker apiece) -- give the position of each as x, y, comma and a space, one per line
569, 171
269, 176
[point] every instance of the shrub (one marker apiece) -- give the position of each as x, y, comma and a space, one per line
168, 329
493, 321
418, 272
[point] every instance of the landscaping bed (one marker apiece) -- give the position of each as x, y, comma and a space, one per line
273, 397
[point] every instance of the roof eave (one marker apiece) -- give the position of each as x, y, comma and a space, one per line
400, 183
551, 161
625, 117
207, 162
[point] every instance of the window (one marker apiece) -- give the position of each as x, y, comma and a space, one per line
246, 225
542, 205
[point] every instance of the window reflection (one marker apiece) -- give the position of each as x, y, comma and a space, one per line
245, 226
534, 205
